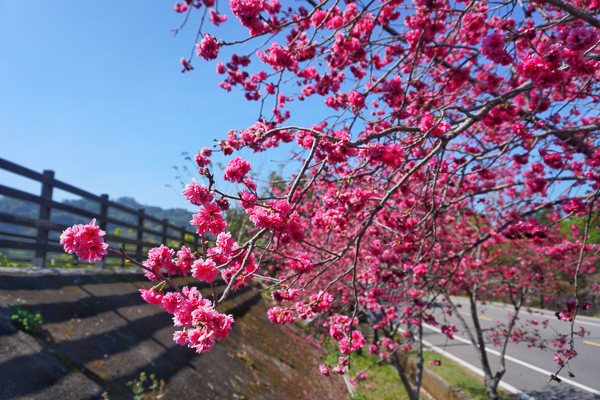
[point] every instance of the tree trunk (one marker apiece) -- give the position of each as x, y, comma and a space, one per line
420, 361
491, 384
491, 388
402, 374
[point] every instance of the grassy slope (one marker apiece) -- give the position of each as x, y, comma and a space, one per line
385, 384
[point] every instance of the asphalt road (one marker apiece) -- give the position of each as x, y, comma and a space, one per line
528, 369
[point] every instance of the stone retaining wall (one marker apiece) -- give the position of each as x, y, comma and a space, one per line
99, 334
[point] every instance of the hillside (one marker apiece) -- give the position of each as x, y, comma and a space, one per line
176, 216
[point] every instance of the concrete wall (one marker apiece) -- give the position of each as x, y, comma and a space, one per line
432, 383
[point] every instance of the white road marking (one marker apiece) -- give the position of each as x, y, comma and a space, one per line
478, 371
523, 363
545, 314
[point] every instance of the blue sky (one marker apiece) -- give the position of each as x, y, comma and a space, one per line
93, 91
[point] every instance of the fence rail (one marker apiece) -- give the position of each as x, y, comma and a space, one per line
42, 244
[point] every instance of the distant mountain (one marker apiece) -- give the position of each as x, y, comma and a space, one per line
175, 216
13, 206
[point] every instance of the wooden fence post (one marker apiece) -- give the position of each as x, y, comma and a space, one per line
183, 235
103, 212
45, 210
140, 235
103, 221
165, 226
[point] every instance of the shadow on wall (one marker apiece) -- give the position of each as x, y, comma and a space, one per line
100, 334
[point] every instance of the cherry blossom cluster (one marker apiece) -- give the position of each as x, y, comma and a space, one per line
161, 259
86, 241
202, 324
528, 229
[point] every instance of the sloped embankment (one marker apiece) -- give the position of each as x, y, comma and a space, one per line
99, 334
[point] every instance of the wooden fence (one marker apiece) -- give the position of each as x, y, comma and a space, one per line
145, 232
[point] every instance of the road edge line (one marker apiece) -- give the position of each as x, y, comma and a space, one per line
523, 363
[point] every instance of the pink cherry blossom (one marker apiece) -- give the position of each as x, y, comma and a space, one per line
185, 259
201, 159
86, 241
197, 194
205, 270
161, 258
216, 18
348, 345
207, 48
581, 39
302, 263
151, 296
325, 370
453, 151
236, 170
492, 47
209, 219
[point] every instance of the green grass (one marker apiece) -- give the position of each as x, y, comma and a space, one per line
383, 378
384, 381
459, 377
25, 320
5, 262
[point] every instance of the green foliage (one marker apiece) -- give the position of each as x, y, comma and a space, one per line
5, 262
243, 355
26, 321
153, 392
64, 261
238, 390
580, 222
173, 243
129, 247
